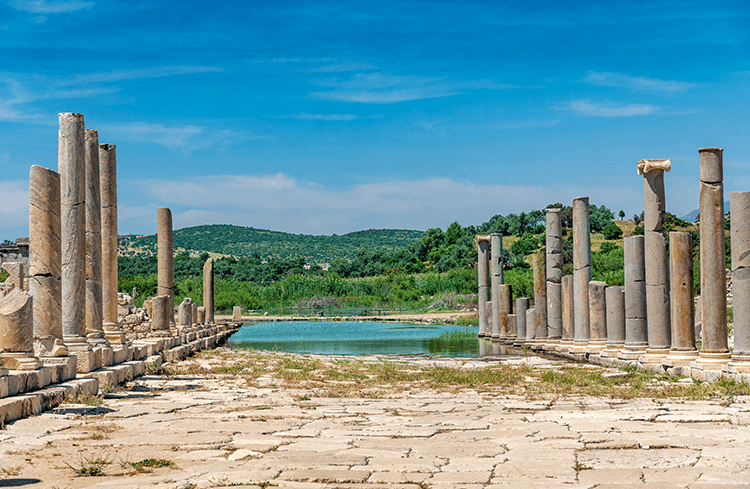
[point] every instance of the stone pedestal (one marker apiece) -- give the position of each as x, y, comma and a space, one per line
714, 352
598, 317
581, 275
683, 351
739, 205
483, 243
615, 296
16, 332
636, 340
522, 305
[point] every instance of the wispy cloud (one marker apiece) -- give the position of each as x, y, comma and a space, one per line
49, 6
644, 83
14, 208
185, 138
325, 117
138, 73
586, 107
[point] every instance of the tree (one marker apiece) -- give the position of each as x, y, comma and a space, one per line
612, 231
621, 214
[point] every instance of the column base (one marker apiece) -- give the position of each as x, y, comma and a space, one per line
654, 356
510, 340
740, 364
709, 366
551, 344
19, 361
594, 347
632, 352
578, 347
538, 343
563, 346
50, 347
113, 333
680, 358
611, 350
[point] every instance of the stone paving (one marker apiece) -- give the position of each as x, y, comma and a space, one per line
222, 432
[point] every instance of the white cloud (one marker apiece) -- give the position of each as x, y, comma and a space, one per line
50, 6
186, 137
138, 73
622, 80
586, 107
14, 209
325, 117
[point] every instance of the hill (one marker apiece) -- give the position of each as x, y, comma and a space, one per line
690, 216
226, 239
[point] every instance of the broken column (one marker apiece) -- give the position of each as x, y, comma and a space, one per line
236, 313
165, 258
496, 271
636, 339
714, 352
530, 325
200, 317
615, 321
72, 169
506, 308
597, 317
581, 274
683, 349
540, 299
185, 313
657, 264
568, 319
161, 316
208, 290
94, 331
522, 304
194, 314
554, 266
739, 210
482, 268
16, 331
108, 197
45, 262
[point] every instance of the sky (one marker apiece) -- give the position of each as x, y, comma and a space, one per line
317, 117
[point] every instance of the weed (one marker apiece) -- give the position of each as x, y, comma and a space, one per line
150, 464
91, 466
88, 400
11, 471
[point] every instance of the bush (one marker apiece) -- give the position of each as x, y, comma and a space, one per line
612, 231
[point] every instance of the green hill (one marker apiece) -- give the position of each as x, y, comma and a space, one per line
275, 245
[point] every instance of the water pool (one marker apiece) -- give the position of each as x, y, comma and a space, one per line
358, 338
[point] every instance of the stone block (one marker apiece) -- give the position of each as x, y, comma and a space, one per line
86, 361
711, 165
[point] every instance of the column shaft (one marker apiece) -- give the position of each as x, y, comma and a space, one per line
165, 259
496, 271
483, 276
94, 330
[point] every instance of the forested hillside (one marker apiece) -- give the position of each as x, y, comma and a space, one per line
240, 241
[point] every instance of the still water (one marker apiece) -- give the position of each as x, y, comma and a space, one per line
359, 338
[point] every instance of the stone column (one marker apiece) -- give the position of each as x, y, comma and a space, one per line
739, 206
94, 331
522, 304
714, 352
636, 339
482, 268
568, 319
45, 262
72, 169
506, 308
236, 313
162, 314
496, 271
540, 299
581, 274
554, 261
184, 311
597, 317
108, 196
208, 290
530, 325
194, 315
165, 259
615, 321
683, 350
657, 264
200, 317
16, 331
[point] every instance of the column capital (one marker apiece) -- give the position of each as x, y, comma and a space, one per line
645, 166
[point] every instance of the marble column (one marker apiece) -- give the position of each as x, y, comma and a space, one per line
540, 299
108, 197
636, 339
554, 267
597, 317
568, 319
683, 351
208, 290
506, 308
496, 271
16, 331
165, 259
739, 207
484, 278
714, 352
581, 274
45, 262
94, 330
657, 263
522, 305
72, 169
615, 296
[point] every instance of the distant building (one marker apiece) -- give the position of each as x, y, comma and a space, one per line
15, 252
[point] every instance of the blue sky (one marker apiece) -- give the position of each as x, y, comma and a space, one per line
331, 117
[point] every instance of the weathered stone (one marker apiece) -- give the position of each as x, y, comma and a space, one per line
72, 169
236, 313
484, 278
45, 261
200, 315
16, 331
185, 312
654, 204
554, 261
506, 308
636, 336
496, 279
739, 203
568, 319
711, 166
581, 233
512, 327
194, 313
581, 273
540, 297
160, 319
530, 324
208, 290
522, 304
94, 331
582, 318
15, 274
681, 264
165, 258
108, 199
554, 310
657, 309
615, 315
